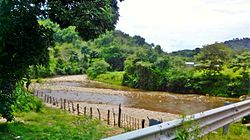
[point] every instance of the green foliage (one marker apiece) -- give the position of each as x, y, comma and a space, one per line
115, 78
189, 129
25, 101
25, 42
53, 124
237, 131
141, 73
98, 67
115, 57
212, 57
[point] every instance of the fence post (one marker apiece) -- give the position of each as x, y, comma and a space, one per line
61, 103
47, 100
108, 116
99, 113
135, 123
69, 106
44, 99
77, 108
53, 100
138, 124
91, 113
73, 108
119, 116
85, 110
226, 127
64, 104
114, 116
143, 123
127, 121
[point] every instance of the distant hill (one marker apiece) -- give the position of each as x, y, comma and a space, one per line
235, 44
186, 53
239, 44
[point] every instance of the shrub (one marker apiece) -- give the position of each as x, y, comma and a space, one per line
25, 101
97, 68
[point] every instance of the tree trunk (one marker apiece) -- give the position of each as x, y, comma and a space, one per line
7, 97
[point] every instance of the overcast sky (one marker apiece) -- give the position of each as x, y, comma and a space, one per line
185, 24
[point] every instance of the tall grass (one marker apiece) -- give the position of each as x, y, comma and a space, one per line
115, 78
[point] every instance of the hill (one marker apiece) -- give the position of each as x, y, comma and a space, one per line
239, 44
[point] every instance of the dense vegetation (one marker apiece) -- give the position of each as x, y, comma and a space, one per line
24, 42
117, 58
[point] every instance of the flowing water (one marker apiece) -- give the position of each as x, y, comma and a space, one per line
156, 101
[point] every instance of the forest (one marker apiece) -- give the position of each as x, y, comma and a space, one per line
219, 69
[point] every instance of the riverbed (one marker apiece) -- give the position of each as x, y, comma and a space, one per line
79, 88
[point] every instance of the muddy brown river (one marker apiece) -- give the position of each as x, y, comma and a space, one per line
79, 88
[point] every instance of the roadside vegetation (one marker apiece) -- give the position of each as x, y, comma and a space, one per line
237, 131
35, 121
51, 124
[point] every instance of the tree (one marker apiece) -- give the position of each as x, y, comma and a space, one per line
158, 49
242, 62
115, 57
212, 57
24, 42
98, 67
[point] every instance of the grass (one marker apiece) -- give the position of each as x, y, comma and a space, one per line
114, 78
52, 124
237, 131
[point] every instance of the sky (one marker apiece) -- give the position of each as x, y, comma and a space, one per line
185, 24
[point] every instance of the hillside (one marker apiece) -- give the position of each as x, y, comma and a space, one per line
239, 44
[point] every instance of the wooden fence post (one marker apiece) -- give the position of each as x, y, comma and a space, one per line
119, 116
50, 100
57, 103
73, 108
61, 103
108, 117
53, 100
138, 124
69, 106
99, 113
143, 123
47, 99
127, 121
91, 112
44, 99
77, 108
114, 116
85, 110
64, 104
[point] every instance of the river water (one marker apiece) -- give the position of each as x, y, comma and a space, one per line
156, 101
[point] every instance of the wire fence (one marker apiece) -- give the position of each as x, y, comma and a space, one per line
113, 117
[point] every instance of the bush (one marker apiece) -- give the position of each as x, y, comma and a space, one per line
25, 101
97, 68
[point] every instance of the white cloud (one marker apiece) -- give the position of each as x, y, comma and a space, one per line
185, 24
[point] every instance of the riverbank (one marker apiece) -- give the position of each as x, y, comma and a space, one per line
80, 88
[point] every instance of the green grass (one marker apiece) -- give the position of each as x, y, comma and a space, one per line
237, 131
114, 78
52, 124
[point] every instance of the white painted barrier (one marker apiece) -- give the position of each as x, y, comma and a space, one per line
206, 122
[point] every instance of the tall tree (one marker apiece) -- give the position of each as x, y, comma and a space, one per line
24, 42
212, 57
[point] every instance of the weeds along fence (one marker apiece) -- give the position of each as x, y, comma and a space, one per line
113, 117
